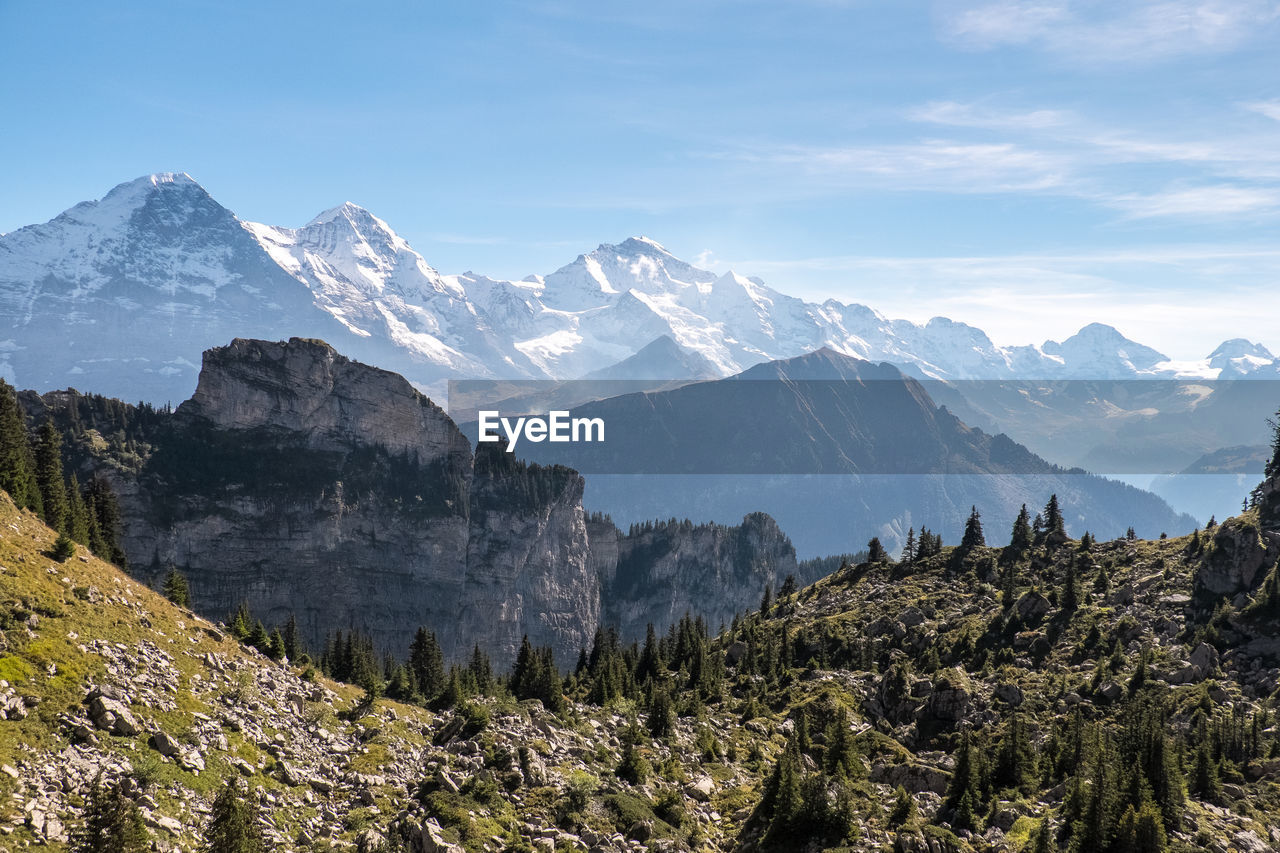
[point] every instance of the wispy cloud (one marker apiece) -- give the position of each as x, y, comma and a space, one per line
957, 114
1143, 173
1222, 200
1124, 33
932, 164
1270, 109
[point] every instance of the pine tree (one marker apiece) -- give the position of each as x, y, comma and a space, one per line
427, 662
973, 536
904, 809
106, 512
1021, 538
1054, 527
785, 795
176, 588
909, 549
964, 794
275, 645
233, 823
53, 490
840, 758
64, 548
876, 552
259, 638
292, 639
481, 670
1070, 590
17, 466
1015, 760
77, 514
240, 622
1044, 841
112, 823
1204, 779
662, 714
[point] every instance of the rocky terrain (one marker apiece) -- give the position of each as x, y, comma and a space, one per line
979, 699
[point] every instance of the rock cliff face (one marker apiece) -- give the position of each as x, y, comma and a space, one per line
664, 570
301, 482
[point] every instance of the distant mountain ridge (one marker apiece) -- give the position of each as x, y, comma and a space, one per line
123, 294
833, 448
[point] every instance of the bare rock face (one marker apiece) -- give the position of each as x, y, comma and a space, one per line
310, 485
665, 570
305, 484
305, 388
1239, 558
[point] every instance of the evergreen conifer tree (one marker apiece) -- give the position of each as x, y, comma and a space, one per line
17, 468
112, 823
909, 549
973, 536
233, 823
292, 639
53, 489
1044, 841
427, 662
77, 514
176, 588
1021, 538
1054, 525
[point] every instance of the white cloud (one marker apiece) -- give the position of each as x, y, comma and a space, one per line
1110, 32
926, 165
1270, 109
957, 114
1199, 201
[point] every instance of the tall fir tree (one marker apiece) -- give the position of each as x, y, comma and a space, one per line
53, 489
1055, 530
17, 468
427, 662
77, 514
909, 549
973, 536
1021, 538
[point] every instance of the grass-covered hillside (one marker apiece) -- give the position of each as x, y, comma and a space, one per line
1057, 695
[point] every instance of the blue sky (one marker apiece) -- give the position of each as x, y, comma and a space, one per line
1023, 166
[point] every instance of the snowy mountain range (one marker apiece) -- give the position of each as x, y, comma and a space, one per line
121, 295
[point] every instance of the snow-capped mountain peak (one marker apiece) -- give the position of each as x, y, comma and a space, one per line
160, 263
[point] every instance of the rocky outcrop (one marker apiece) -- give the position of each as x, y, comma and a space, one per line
308, 485
1239, 557
665, 570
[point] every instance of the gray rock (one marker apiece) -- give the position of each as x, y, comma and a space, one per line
1205, 657
111, 715
164, 744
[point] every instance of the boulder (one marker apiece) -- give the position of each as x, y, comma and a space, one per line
164, 744
1205, 657
1009, 693
113, 716
1032, 607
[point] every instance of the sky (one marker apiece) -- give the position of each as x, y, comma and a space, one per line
1027, 167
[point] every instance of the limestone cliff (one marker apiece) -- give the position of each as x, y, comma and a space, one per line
304, 483
662, 569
